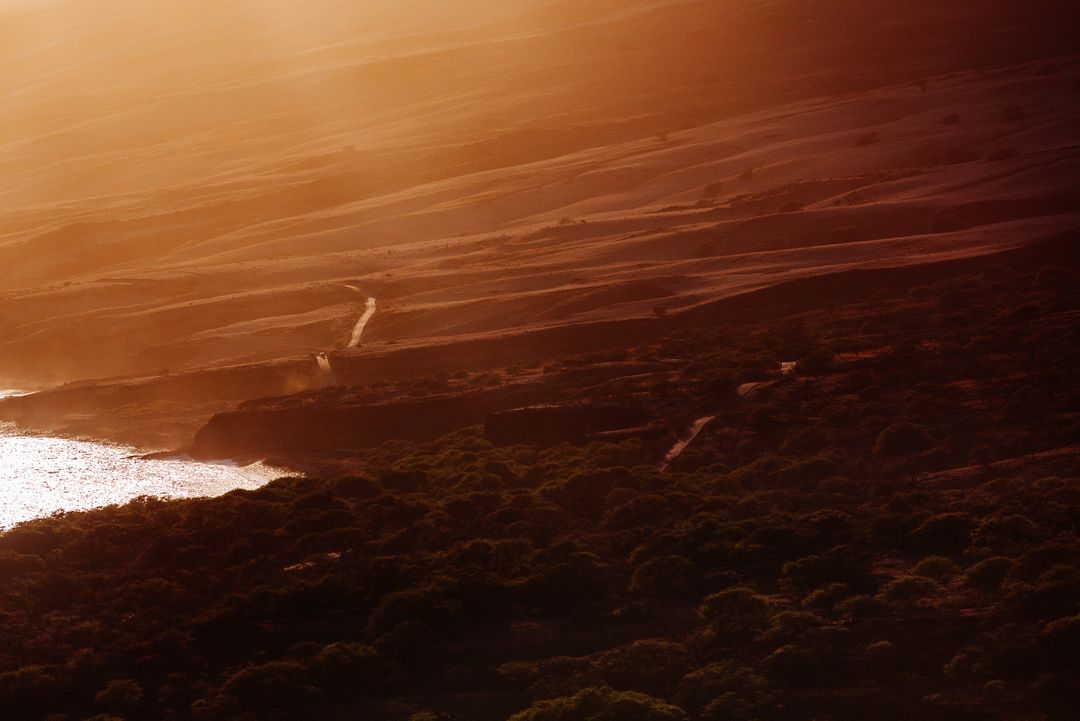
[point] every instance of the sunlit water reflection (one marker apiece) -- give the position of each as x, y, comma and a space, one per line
41, 475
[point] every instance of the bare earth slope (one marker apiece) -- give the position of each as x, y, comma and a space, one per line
191, 188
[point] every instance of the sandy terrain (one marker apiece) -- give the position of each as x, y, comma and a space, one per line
193, 187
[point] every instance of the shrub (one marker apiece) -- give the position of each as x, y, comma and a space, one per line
881, 655
988, 574
652, 667
121, 694
601, 704
1056, 278
724, 686
580, 578
271, 687
909, 590
1007, 532
663, 576
28, 689
23, 539
403, 481
736, 611
827, 597
810, 572
582, 493
969, 662
1060, 639
346, 666
792, 665
14, 565
902, 439
420, 603
788, 626
944, 532
357, 487
807, 473
426, 716
938, 568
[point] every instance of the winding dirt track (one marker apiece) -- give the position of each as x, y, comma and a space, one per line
745, 390
682, 445
369, 312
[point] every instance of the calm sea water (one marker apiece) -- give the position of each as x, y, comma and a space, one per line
41, 475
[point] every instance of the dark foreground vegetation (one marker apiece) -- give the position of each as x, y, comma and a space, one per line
888, 533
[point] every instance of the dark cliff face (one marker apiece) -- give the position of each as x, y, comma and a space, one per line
158, 411
553, 424
290, 428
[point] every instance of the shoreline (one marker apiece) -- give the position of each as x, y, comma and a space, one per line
44, 475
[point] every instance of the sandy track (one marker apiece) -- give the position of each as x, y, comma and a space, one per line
684, 443
744, 390
361, 324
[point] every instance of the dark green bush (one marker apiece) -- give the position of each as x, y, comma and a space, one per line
736, 611
901, 439
601, 704
989, 573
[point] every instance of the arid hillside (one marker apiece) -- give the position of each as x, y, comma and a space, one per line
190, 185
201, 198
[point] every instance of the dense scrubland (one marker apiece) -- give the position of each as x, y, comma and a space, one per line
889, 532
